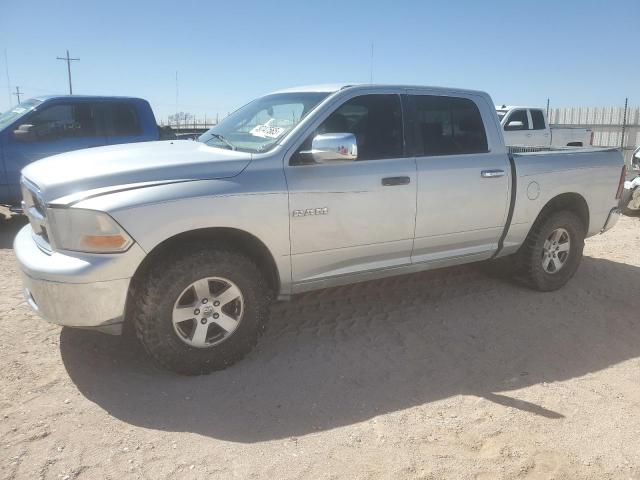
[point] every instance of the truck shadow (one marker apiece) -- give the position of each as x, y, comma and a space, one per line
344, 355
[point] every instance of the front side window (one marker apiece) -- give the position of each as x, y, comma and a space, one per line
517, 116
61, 121
537, 118
260, 125
447, 126
376, 122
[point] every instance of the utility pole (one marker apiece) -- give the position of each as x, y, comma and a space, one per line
548, 109
624, 123
177, 115
18, 93
69, 60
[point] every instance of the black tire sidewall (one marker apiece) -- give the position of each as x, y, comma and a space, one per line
165, 283
535, 274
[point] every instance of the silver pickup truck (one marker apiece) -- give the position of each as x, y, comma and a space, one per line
306, 188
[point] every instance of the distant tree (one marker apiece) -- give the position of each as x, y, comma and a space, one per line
181, 118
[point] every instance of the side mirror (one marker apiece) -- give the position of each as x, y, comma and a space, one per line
514, 125
25, 133
334, 147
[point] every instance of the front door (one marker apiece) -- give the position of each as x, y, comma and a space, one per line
356, 216
516, 128
463, 186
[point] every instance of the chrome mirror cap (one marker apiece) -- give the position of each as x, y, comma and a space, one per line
334, 147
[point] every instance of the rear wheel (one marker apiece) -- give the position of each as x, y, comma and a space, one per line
552, 251
202, 311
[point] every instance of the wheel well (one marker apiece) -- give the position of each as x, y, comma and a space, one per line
228, 237
573, 202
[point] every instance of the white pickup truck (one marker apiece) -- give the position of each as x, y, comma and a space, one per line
526, 126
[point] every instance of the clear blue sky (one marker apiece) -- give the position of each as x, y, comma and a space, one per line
575, 52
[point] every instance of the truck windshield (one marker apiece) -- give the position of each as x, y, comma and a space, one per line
18, 111
260, 124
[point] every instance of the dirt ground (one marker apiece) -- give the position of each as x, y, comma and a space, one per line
450, 374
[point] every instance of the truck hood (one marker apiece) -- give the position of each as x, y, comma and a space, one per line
75, 175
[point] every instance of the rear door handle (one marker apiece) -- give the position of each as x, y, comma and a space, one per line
492, 173
391, 181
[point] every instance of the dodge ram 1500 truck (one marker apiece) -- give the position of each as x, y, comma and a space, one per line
529, 127
302, 189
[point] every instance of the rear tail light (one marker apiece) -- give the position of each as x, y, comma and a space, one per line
623, 176
591, 138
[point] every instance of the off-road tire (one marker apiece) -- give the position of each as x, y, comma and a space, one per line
528, 260
156, 293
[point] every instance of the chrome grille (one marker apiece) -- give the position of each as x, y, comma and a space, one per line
36, 211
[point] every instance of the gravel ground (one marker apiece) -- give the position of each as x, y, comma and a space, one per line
448, 374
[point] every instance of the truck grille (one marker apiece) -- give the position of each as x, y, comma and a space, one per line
36, 211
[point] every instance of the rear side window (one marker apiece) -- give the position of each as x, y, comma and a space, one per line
124, 119
537, 118
517, 116
62, 121
447, 126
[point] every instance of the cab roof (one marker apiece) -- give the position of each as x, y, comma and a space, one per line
334, 87
43, 98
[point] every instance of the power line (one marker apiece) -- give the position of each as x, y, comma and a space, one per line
18, 93
69, 60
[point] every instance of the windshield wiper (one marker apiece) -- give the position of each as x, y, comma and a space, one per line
223, 140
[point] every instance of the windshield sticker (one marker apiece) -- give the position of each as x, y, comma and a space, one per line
266, 131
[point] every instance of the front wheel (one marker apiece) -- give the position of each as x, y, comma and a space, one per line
552, 251
202, 311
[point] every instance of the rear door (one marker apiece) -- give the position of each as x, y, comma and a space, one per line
367, 207
463, 177
54, 129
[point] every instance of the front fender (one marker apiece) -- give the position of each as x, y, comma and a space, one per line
154, 214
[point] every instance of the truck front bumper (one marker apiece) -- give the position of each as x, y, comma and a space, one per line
76, 289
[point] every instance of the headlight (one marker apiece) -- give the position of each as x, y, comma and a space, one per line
86, 231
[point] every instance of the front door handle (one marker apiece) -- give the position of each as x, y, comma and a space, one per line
391, 181
492, 173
